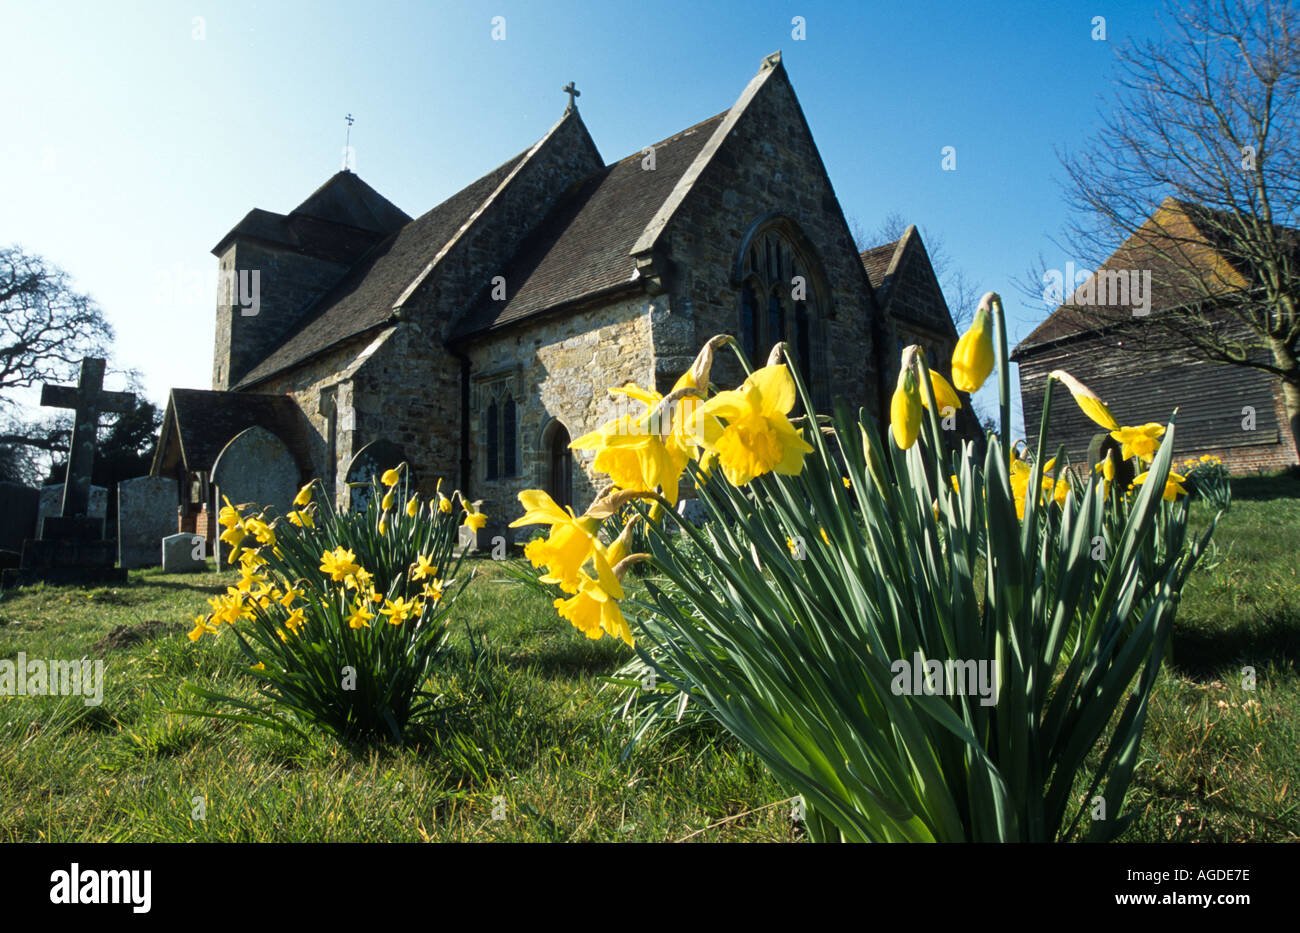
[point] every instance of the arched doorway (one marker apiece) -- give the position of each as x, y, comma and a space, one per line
559, 465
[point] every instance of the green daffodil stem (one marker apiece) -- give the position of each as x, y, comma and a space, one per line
1004, 371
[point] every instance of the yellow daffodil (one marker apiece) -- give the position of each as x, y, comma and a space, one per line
945, 396
383, 525
304, 496
359, 579
432, 590
391, 478
296, 620
387, 502
848, 483
202, 625
758, 437
1140, 442
413, 506
1087, 400
424, 567
234, 536
301, 518
338, 563
972, 358
360, 616
473, 517
594, 612
259, 666
571, 544
260, 530
905, 409
1019, 477
1173, 485
289, 596
229, 516
400, 609
824, 537
649, 451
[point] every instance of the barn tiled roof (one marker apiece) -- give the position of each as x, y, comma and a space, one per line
203, 421
365, 297
584, 245
1175, 248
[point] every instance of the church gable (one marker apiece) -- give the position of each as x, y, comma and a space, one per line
585, 246
753, 243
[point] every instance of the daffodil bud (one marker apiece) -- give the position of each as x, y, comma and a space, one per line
1087, 400
972, 359
905, 410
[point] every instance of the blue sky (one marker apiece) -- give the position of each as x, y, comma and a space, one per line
137, 134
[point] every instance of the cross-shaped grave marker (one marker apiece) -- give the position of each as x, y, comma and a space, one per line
89, 400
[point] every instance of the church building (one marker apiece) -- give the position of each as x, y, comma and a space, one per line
478, 339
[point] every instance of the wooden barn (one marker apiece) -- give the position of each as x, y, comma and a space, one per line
1102, 335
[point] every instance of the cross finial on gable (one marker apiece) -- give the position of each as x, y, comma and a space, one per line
347, 144
574, 94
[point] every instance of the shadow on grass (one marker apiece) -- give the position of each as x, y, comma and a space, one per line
1284, 485
1194, 801
1208, 654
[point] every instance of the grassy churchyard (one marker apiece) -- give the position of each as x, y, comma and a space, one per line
525, 745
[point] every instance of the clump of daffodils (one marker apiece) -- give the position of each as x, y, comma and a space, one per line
324, 589
746, 432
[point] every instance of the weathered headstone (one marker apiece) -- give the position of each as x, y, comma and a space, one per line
370, 462
51, 504
183, 553
256, 468
146, 513
71, 546
18, 508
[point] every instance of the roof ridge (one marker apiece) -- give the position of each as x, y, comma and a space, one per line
422, 276
640, 154
650, 235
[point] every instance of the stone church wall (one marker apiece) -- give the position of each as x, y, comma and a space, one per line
556, 369
286, 282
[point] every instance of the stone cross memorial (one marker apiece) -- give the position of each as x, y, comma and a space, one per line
72, 548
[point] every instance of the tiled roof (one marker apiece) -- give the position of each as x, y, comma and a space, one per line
876, 261
204, 421
584, 245
1175, 248
365, 297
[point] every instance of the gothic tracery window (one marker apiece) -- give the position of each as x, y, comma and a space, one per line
778, 273
500, 436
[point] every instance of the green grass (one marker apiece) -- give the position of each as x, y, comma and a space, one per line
524, 734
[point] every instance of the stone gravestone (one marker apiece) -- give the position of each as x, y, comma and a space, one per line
183, 553
255, 468
51, 504
372, 461
146, 513
18, 508
71, 546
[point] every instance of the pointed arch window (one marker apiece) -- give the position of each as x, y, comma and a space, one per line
508, 434
493, 442
784, 297
749, 321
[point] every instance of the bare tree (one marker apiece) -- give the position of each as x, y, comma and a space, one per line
1196, 170
46, 327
